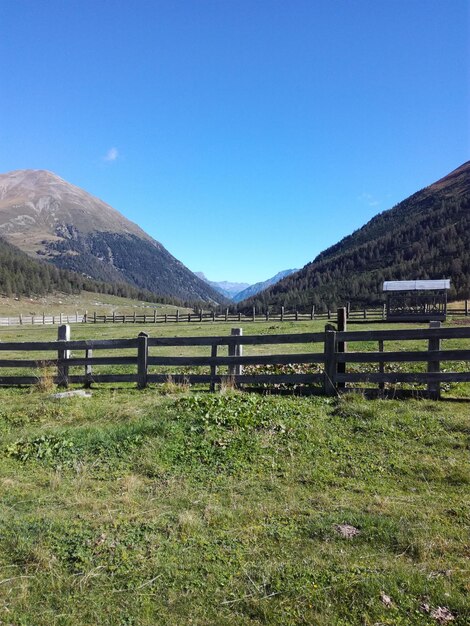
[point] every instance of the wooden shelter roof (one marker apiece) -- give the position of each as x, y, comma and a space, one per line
416, 285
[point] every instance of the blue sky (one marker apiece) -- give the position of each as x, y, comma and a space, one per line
245, 135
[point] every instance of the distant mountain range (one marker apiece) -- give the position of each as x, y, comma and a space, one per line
252, 290
226, 288
425, 236
50, 219
239, 291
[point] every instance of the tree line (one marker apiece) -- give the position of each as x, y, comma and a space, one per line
418, 239
23, 276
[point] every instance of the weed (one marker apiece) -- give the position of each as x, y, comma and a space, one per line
227, 386
49, 449
170, 387
46, 379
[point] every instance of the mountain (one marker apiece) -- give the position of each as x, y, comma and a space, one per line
226, 288
425, 236
51, 219
21, 275
252, 290
240, 291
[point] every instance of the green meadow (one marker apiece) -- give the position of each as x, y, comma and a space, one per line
176, 506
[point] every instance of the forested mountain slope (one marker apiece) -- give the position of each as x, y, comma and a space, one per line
20, 275
51, 219
425, 236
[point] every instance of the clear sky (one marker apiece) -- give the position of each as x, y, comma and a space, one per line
245, 135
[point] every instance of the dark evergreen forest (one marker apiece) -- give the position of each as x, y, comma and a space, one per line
124, 258
426, 236
21, 275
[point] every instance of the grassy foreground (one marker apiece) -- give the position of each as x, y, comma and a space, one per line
139, 508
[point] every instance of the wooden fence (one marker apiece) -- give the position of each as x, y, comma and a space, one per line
43, 319
176, 317
208, 316
327, 356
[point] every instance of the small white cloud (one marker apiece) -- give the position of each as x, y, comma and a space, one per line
111, 155
369, 199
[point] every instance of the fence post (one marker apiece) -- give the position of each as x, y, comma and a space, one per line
384, 311
466, 308
381, 363
329, 381
254, 314
213, 315
142, 360
434, 343
226, 315
88, 368
342, 346
296, 315
267, 314
282, 313
213, 367
201, 313
63, 334
329, 313
312, 314
235, 349
365, 313
94, 317
348, 309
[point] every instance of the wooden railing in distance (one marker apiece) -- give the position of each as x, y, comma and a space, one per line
282, 315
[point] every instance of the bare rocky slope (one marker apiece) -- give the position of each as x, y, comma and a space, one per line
53, 220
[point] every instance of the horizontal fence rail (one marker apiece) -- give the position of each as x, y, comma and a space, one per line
284, 315
326, 363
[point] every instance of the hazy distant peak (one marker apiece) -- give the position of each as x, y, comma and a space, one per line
252, 290
224, 287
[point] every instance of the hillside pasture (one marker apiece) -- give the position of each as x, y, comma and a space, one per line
69, 304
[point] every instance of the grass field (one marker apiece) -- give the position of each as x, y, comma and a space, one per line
166, 506
85, 301
182, 329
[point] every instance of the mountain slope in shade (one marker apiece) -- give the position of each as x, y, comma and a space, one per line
424, 237
252, 290
22, 275
226, 288
51, 219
